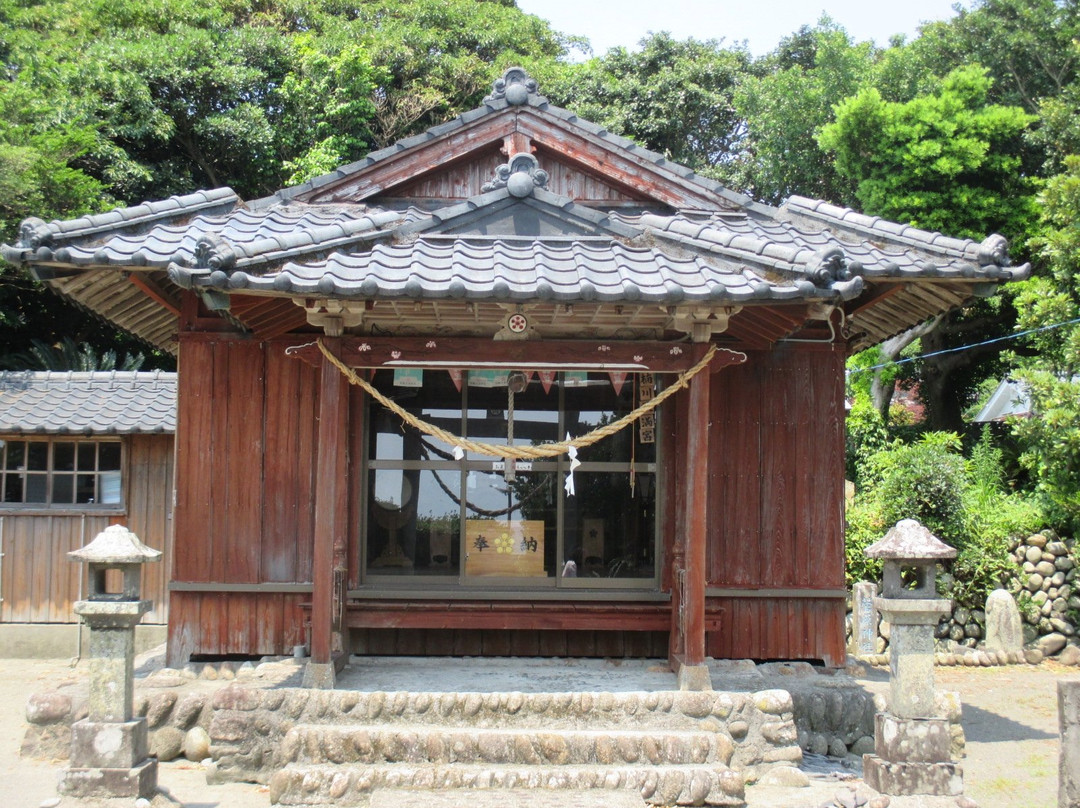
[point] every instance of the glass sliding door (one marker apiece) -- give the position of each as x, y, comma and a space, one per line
481, 522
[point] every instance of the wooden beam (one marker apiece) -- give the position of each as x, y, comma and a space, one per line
331, 518
465, 353
152, 291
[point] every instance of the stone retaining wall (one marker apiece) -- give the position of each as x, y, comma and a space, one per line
1044, 585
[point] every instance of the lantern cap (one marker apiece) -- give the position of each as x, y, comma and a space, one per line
115, 545
908, 540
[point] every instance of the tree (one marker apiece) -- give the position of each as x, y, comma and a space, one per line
1051, 368
948, 161
943, 161
674, 97
117, 101
787, 99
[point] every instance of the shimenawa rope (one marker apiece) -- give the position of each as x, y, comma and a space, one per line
519, 452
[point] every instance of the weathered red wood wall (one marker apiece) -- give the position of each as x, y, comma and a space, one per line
39, 584
246, 460
245, 463
776, 486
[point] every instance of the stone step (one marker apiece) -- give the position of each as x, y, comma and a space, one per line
674, 709
322, 743
353, 785
504, 798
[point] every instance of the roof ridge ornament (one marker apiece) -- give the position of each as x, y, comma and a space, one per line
214, 252
831, 264
519, 176
994, 251
514, 87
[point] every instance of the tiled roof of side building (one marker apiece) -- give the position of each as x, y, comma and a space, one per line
87, 403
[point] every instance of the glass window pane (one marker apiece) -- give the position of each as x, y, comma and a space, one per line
109, 456
16, 454
63, 489
36, 488
109, 482
85, 492
63, 457
414, 522
37, 456
536, 413
87, 456
511, 527
13, 488
438, 402
592, 403
610, 529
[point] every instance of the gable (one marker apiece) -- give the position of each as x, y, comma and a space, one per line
450, 162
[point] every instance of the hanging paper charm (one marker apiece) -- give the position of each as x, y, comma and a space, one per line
574, 463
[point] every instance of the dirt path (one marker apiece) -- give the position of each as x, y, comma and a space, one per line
1009, 715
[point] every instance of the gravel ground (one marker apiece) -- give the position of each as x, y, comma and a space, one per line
1009, 717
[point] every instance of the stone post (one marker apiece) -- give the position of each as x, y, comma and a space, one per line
109, 756
864, 619
1069, 759
911, 745
1004, 628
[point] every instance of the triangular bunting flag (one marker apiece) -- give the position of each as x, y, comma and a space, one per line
618, 379
547, 378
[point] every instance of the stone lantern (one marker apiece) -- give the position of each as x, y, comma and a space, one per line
911, 745
109, 756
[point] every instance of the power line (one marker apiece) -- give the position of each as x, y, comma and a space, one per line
967, 347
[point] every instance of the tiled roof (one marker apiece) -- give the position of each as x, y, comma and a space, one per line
515, 240
506, 269
89, 403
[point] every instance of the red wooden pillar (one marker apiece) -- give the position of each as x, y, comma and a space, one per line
689, 574
331, 522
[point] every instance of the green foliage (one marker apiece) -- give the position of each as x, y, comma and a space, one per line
107, 101
924, 480
786, 102
866, 436
865, 526
1050, 365
944, 161
70, 355
674, 97
963, 502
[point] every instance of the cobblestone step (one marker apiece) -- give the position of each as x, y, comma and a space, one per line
321, 743
354, 784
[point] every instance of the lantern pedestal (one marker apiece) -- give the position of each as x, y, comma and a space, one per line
109, 750
911, 745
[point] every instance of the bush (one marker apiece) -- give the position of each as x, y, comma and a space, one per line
925, 481
964, 503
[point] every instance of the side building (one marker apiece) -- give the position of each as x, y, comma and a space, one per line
79, 452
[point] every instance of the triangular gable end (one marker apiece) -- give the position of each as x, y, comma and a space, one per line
454, 160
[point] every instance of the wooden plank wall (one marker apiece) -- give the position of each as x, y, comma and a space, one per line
777, 482
39, 584
245, 462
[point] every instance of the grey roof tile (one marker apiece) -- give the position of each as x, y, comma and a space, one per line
35, 233
523, 269
97, 403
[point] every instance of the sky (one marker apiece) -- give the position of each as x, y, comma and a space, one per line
762, 23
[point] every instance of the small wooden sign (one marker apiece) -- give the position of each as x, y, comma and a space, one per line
510, 549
